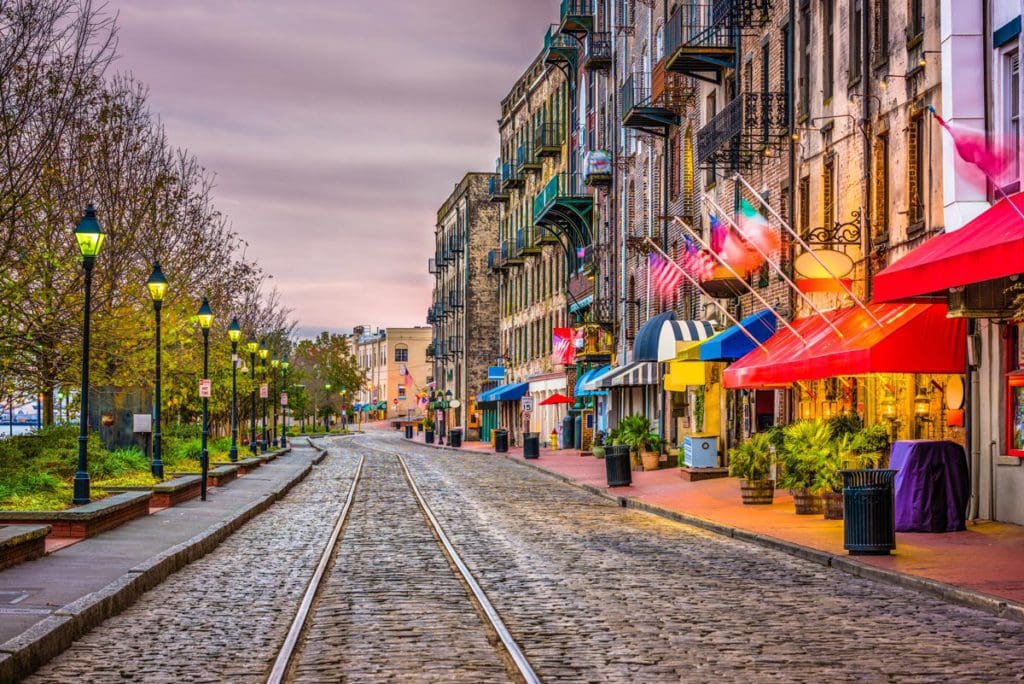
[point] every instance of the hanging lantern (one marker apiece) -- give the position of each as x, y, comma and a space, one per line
888, 406
922, 405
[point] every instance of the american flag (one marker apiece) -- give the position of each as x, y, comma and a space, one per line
665, 276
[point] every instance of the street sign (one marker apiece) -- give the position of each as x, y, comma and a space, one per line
206, 388
526, 404
142, 422
496, 373
284, 398
264, 391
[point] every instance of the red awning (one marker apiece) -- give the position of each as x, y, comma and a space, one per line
990, 246
914, 338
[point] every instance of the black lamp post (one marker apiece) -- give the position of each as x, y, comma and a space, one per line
205, 317
284, 406
275, 364
89, 236
157, 285
252, 348
327, 415
235, 333
264, 352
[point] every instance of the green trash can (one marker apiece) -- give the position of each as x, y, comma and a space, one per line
869, 512
616, 464
531, 445
501, 441
455, 437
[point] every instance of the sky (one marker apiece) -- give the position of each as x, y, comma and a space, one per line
336, 129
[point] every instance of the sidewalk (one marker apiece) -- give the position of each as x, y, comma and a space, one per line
48, 602
981, 566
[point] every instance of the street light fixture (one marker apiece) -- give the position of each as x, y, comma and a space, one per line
284, 407
235, 334
327, 417
157, 285
89, 236
205, 317
275, 364
252, 347
264, 352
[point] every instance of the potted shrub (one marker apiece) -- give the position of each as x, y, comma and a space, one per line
807, 449
829, 479
870, 446
428, 429
650, 453
633, 432
751, 461
598, 447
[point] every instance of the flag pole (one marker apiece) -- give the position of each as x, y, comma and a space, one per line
806, 300
857, 300
696, 283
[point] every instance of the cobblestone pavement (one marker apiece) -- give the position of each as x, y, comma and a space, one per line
594, 592
392, 609
222, 618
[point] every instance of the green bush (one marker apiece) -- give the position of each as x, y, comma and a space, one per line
808, 455
752, 460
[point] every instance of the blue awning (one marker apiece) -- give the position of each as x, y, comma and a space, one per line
581, 304
732, 343
510, 392
591, 374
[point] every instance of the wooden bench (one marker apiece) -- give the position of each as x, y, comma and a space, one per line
85, 521
20, 543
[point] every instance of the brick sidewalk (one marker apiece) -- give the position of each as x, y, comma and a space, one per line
984, 561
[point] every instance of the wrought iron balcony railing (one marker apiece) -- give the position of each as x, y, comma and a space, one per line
455, 299
456, 243
577, 16
494, 190
597, 50
559, 48
547, 139
739, 134
561, 185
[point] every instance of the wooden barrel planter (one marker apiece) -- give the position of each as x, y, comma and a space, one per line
833, 505
807, 503
757, 491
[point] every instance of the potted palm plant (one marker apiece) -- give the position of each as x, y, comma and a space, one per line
807, 449
597, 449
428, 429
633, 432
650, 453
751, 461
871, 447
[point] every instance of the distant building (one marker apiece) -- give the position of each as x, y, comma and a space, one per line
396, 364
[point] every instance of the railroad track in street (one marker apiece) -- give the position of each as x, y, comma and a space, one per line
361, 613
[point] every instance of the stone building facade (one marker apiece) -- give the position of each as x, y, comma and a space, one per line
465, 301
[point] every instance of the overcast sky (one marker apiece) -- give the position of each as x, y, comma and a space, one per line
336, 128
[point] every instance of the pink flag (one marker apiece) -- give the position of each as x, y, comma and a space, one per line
972, 147
665, 276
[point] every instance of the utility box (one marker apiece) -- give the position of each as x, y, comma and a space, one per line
700, 451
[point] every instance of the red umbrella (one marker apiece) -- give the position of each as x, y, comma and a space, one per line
556, 399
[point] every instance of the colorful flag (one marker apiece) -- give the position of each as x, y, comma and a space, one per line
718, 235
563, 349
665, 275
973, 148
755, 230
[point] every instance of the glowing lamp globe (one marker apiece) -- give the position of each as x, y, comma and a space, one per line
205, 315
157, 283
234, 330
89, 234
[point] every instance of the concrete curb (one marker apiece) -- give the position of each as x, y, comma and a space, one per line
24, 654
970, 598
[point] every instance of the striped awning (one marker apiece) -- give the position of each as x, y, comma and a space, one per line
631, 375
588, 377
677, 334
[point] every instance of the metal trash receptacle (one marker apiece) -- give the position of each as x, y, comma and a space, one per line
455, 437
616, 464
869, 512
408, 431
501, 441
531, 445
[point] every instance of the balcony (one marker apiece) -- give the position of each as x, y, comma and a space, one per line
495, 191
565, 204
547, 140
532, 244
430, 350
455, 299
510, 177
514, 256
526, 161
559, 48
432, 266
700, 39
492, 260
431, 318
639, 109
455, 344
456, 244
597, 168
597, 51
740, 134
577, 16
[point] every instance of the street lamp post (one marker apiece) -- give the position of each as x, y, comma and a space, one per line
205, 317
157, 285
284, 407
344, 410
275, 363
235, 333
252, 348
327, 414
89, 236
264, 352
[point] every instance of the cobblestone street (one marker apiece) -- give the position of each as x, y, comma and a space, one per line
589, 591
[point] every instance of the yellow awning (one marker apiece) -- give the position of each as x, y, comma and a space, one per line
683, 374
689, 350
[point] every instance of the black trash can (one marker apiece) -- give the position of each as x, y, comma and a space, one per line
455, 437
869, 512
408, 431
616, 463
428, 436
531, 445
568, 432
501, 441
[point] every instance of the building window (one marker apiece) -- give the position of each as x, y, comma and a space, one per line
856, 38
1014, 393
805, 204
915, 19
688, 173
401, 354
915, 176
710, 109
1011, 116
401, 391
805, 58
828, 193
673, 166
827, 48
880, 28
787, 73
880, 220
